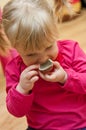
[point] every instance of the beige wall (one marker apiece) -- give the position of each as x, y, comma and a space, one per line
3, 2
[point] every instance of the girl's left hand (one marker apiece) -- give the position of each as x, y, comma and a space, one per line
58, 74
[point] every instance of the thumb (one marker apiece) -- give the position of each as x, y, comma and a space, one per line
56, 64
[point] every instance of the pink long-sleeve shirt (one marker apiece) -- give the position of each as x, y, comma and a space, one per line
52, 106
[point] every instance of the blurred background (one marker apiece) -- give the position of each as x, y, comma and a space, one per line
71, 28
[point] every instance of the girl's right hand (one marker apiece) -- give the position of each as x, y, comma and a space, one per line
27, 79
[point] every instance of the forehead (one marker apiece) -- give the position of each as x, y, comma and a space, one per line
22, 49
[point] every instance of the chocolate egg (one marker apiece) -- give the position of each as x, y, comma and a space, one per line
46, 67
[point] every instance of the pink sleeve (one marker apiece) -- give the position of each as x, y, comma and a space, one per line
0, 14
75, 68
5, 59
17, 103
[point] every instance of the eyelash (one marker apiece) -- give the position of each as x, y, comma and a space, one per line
31, 55
46, 49
49, 47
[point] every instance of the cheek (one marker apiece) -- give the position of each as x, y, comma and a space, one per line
26, 61
29, 61
54, 53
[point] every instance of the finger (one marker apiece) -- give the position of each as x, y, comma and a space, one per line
50, 77
45, 76
56, 64
32, 67
34, 79
30, 74
41, 75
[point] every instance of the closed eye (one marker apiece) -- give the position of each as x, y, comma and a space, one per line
34, 54
49, 47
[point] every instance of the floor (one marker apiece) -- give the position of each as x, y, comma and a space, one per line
76, 30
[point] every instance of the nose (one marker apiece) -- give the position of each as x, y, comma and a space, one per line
42, 59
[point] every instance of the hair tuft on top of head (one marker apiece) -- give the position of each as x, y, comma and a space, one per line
29, 22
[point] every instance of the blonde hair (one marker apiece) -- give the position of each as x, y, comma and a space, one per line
4, 42
5, 45
30, 23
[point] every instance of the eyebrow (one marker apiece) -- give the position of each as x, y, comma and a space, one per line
35, 53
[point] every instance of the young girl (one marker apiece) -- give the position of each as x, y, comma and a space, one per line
50, 101
6, 51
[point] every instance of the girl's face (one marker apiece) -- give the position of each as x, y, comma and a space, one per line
40, 56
